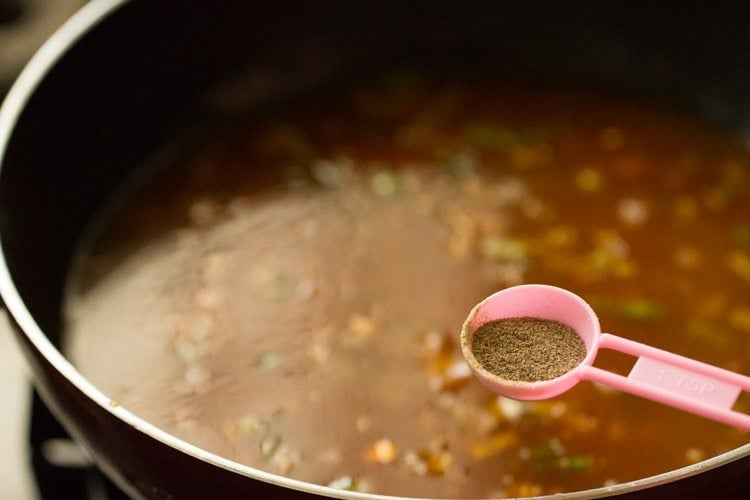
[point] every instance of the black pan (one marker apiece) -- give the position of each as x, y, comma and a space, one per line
121, 78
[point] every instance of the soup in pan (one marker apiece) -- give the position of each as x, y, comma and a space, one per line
289, 294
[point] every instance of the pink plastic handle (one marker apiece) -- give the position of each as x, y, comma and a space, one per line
674, 380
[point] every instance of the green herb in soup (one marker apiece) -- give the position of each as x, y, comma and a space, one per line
289, 295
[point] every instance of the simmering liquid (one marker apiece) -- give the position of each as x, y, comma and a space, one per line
290, 294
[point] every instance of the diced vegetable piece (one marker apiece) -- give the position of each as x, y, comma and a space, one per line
386, 184
332, 174
361, 325
547, 454
633, 211
694, 455
551, 455
580, 422
284, 458
414, 463
456, 375
249, 425
526, 490
576, 462
589, 180
188, 352
437, 461
269, 444
383, 451
460, 165
511, 409
343, 483
268, 360
493, 445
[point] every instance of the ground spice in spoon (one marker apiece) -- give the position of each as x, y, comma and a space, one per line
527, 349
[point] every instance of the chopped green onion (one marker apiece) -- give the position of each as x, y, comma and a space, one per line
547, 454
576, 463
640, 309
635, 308
386, 184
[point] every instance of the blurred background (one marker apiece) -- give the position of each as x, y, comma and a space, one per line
24, 26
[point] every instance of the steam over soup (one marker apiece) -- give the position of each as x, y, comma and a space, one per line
289, 294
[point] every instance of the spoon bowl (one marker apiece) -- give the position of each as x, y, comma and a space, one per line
537, 301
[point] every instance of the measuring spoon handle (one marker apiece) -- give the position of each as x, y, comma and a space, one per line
674, 380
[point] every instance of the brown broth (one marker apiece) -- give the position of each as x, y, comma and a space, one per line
290, 294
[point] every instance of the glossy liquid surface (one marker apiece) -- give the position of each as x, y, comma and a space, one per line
290, 294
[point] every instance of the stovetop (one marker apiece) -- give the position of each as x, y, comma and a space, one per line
39, 460
60, 470
15, 474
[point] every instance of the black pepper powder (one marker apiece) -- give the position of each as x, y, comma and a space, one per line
527, 349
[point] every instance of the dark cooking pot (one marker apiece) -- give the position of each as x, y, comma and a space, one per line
107, 90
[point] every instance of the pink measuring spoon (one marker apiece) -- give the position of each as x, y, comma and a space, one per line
658, 375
